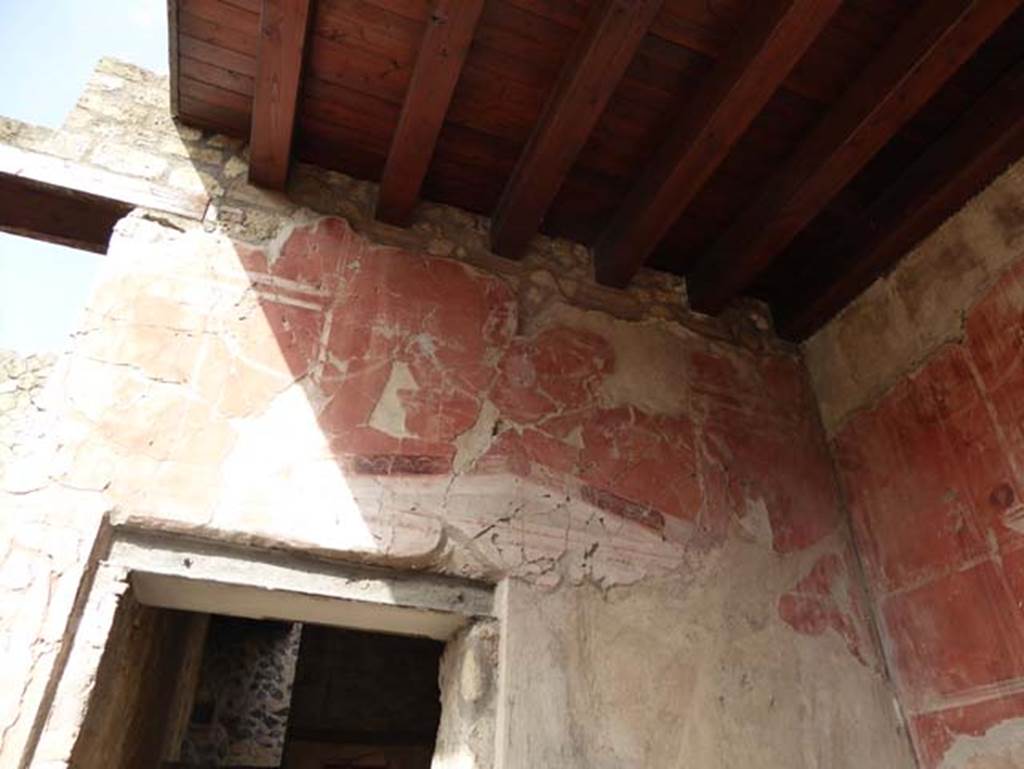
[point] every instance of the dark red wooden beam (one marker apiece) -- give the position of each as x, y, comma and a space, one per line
53, 215
982, 144
283, 31
442, 53
929, 48
64, 202
602, 52
751, 70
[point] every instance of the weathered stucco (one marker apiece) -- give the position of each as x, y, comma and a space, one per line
896, 324
920, 384
693, 670
653, 490
469, 695
22, 406
239, 403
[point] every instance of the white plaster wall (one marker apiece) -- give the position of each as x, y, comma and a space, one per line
695, 672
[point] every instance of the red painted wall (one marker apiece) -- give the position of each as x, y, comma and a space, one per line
750, 431
932, 476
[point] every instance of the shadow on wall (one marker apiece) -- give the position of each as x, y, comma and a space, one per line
279, 379
379, 393
401, 405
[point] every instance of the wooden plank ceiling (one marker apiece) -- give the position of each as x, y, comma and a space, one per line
790, 150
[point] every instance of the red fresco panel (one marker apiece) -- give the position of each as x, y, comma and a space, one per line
953, 635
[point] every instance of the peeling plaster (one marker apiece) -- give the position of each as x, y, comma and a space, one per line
474, 443
903, 318
388, 415
1001, 747
647, 515
649, 373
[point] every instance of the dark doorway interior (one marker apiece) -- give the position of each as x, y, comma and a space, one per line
277, 694
363, 700
180, 690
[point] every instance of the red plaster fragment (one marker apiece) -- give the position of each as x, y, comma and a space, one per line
314, 256
252, 259
930, 452
934, 733
762, 444
648, 460
956, 634
815, 605
557, 371
758, 459
443, 320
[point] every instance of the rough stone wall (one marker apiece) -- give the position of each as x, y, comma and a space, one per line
654, 488
244, 693
22, 405
921, 384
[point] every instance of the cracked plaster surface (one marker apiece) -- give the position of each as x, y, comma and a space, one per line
281, 378
215, 384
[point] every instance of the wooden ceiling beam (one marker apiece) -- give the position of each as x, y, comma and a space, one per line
284, 28
980, 146
449, 34
56, 216
600, 56
173, 55
922, 55
65, 202
749, 73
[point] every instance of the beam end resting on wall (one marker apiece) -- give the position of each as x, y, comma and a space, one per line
590, 75
442, 53
71, 204
283, 30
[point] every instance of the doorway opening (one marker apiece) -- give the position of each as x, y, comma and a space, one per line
191, 654
302, 696
364, 700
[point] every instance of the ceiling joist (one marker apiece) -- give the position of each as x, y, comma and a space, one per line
967, 158
282, 43
924, 53
599, 59
448, 36
752, 69
541, 115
